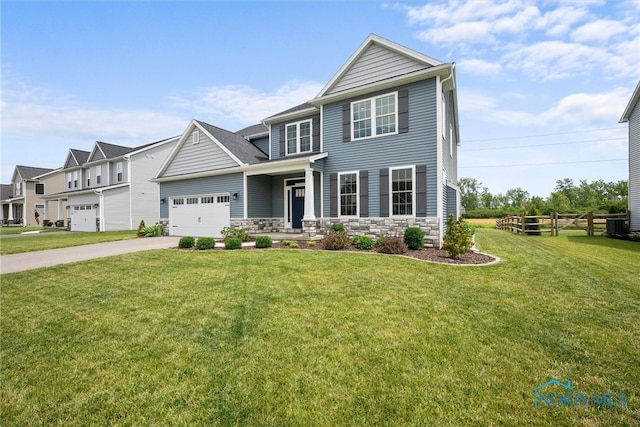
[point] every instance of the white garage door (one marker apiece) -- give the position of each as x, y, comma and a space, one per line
83, 218
199, 216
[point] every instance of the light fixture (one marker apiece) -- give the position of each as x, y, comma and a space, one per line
162, 200
235, 196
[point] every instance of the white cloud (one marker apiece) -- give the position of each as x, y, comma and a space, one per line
248, 105
479, 67
599, 109
598, 31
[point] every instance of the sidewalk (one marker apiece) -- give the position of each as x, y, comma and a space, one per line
29, 260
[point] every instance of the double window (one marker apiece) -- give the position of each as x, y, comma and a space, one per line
374, 116
298, 137
402, 191
348, 193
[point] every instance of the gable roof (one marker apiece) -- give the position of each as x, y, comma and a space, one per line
76, 158
254, 131
236, 144
30, 172
104, 150
298, 111
632, 105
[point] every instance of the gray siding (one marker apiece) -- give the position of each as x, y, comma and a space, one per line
315, 135
450, 163
450, 205
259, 189
83, 199
201, 157
634, 168
116, 210
113, 170
232, 183
262, 144
417, 146
375, 64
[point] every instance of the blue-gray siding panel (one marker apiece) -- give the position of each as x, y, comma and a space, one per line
418, 146
259, 196
262, 144
208, 185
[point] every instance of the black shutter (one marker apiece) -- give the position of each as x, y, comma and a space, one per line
403, 111
315, 124
364, 194
384, 192
421, 191
346, 122
333, 195
283, 152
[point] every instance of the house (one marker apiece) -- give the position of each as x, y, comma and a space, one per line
108, 188
375, 150
631, 115
26, 195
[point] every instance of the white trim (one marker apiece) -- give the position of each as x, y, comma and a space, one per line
357, 214
439, 163
299, 114
413, 191
374, 117
286, 139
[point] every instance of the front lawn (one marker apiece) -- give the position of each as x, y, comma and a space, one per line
297, 338
42, 241
20, 230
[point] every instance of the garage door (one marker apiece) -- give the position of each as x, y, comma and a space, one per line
199, 216
83, 218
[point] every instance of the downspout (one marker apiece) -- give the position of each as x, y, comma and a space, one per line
439, 160
128, 160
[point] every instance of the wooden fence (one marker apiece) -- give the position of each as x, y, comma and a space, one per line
553, 223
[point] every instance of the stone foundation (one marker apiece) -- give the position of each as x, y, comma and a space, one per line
261, 225
165, 226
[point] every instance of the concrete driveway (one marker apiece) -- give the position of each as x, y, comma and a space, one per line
50, 257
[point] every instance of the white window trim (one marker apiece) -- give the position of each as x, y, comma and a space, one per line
413, 191
119, 170
297, 125
75, 179
357, 173
374, 126
98, 174
88, 177
196, 137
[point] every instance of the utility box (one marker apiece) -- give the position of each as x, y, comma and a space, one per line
616, 226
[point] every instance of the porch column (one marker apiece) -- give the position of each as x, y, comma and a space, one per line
45, 217
309, 198
59, 210
10, 212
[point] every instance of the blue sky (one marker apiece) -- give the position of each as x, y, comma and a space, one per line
541, 84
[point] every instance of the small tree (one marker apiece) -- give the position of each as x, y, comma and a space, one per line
141, 228
457, 240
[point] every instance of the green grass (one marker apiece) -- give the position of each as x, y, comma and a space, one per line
39, 242
19, 230
303, 338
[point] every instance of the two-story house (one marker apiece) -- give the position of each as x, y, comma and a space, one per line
27, 196
631, 115
375, 150
108, 188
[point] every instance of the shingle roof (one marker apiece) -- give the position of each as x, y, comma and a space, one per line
6, 191
29, 172
253, 130
111, 150
235, 143
300, 107
81, 156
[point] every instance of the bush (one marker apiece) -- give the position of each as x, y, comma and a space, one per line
141, 228
286, 243
233, 243
362, 242
458, 238
240, 233
294, 245
153, 231
205, 243
186, 242
336, 227
392, 245
311, 243
414, 238
336, 240
263, 242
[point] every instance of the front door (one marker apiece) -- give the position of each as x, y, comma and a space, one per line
297, 207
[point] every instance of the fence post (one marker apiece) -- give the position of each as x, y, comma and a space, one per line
590, 230
555, 214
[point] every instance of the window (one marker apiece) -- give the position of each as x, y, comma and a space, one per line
402, 191
98, 174
223, 199
209, 199
88, 177
75, 179
348, 188
298, 137
68, 180
196, 137
39, 188
18, 189
192, 200
374, 117
119, 171
178, 201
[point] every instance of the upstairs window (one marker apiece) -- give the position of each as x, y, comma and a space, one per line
68, 180
88, 176
75, 179
119, 176
98, 174
18, 189
298, 137
374, 116
39, 188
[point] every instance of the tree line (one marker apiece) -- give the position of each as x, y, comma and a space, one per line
567, 197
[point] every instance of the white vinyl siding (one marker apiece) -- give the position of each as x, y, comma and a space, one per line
374, 116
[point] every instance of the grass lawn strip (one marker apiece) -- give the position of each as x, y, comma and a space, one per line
43, 241
323, 338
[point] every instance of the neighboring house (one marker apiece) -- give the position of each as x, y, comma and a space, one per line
108, 188
375, 150
631, 115
28, 188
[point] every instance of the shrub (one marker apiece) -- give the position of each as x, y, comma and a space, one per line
336, 227
153, 230
240, 233
457, 239
336, 240
286, 243
362, 242
392, 245
414, 238
294, 245
141, 228
263, 242
311, 243
233, 243
205, 243
186, 242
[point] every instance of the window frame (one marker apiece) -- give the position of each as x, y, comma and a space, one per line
357, 194
196, 137
88, 176
75, 179
39, 185
119, 172
413, 191
297, 137
374, 117
98, 174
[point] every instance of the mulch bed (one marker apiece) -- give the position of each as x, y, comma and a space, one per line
427, 254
